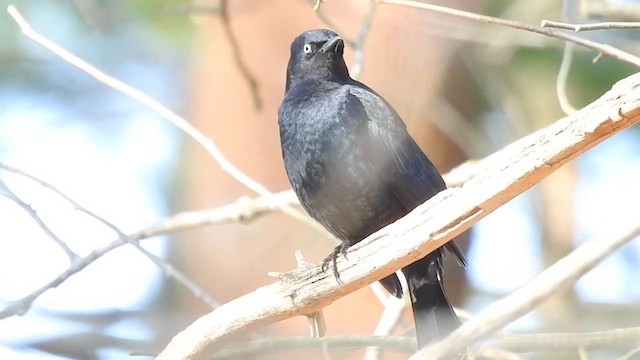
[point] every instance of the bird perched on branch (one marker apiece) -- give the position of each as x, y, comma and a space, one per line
356, 169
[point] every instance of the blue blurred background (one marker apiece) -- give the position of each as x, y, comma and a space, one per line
122, 161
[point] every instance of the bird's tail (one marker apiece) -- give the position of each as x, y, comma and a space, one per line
433, 315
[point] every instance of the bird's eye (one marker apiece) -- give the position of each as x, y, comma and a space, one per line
308, 48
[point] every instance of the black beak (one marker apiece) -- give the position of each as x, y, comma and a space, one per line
335, 45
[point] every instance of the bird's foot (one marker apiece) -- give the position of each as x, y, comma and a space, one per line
332, 258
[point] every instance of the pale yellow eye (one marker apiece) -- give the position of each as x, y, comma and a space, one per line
308, 48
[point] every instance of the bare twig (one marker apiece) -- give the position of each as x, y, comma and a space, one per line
331, 25
158, 108
617, 338
561, 79
631, 354
622, 10
243, 210
603, 48
6, 191
317, 4
588, 27
564, 272
565, 66
492, 353
171, 272
505, 174
21, 306
358, 46
582, 353
277, 345
166, 268
393, 309
597, 58
223, 11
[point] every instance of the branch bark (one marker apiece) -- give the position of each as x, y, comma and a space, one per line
502, 176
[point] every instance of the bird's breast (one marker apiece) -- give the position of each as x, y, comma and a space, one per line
330, 170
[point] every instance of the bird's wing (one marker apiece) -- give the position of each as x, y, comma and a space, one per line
409, 175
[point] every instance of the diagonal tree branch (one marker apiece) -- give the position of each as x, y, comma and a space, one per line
564, 272
601, 48
502, 176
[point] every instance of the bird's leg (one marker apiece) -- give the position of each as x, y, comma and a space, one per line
333, 257
317, 325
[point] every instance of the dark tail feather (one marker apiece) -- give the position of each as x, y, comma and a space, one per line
433, 315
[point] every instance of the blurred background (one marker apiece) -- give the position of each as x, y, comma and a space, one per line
464, 89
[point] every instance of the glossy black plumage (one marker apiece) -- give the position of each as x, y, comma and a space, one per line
356, 169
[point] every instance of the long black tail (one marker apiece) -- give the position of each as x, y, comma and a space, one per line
433, 315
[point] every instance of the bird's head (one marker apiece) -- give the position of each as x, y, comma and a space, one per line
317, 55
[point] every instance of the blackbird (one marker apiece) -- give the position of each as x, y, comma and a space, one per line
356, 169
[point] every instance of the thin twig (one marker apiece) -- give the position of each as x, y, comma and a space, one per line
22, 305
565, 65
168, 269
561, 79
393, 309
278, 345
603, 48
582, 353
317, 4
6, 191
358, 47
631, 354
492, 353
564, 272
597, 58
356, 44
610, 25
331, 25
171, 272
596, 340
607, 9
158, 108
223, 11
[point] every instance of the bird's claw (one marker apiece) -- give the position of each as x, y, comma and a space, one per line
333, 257
343, 249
